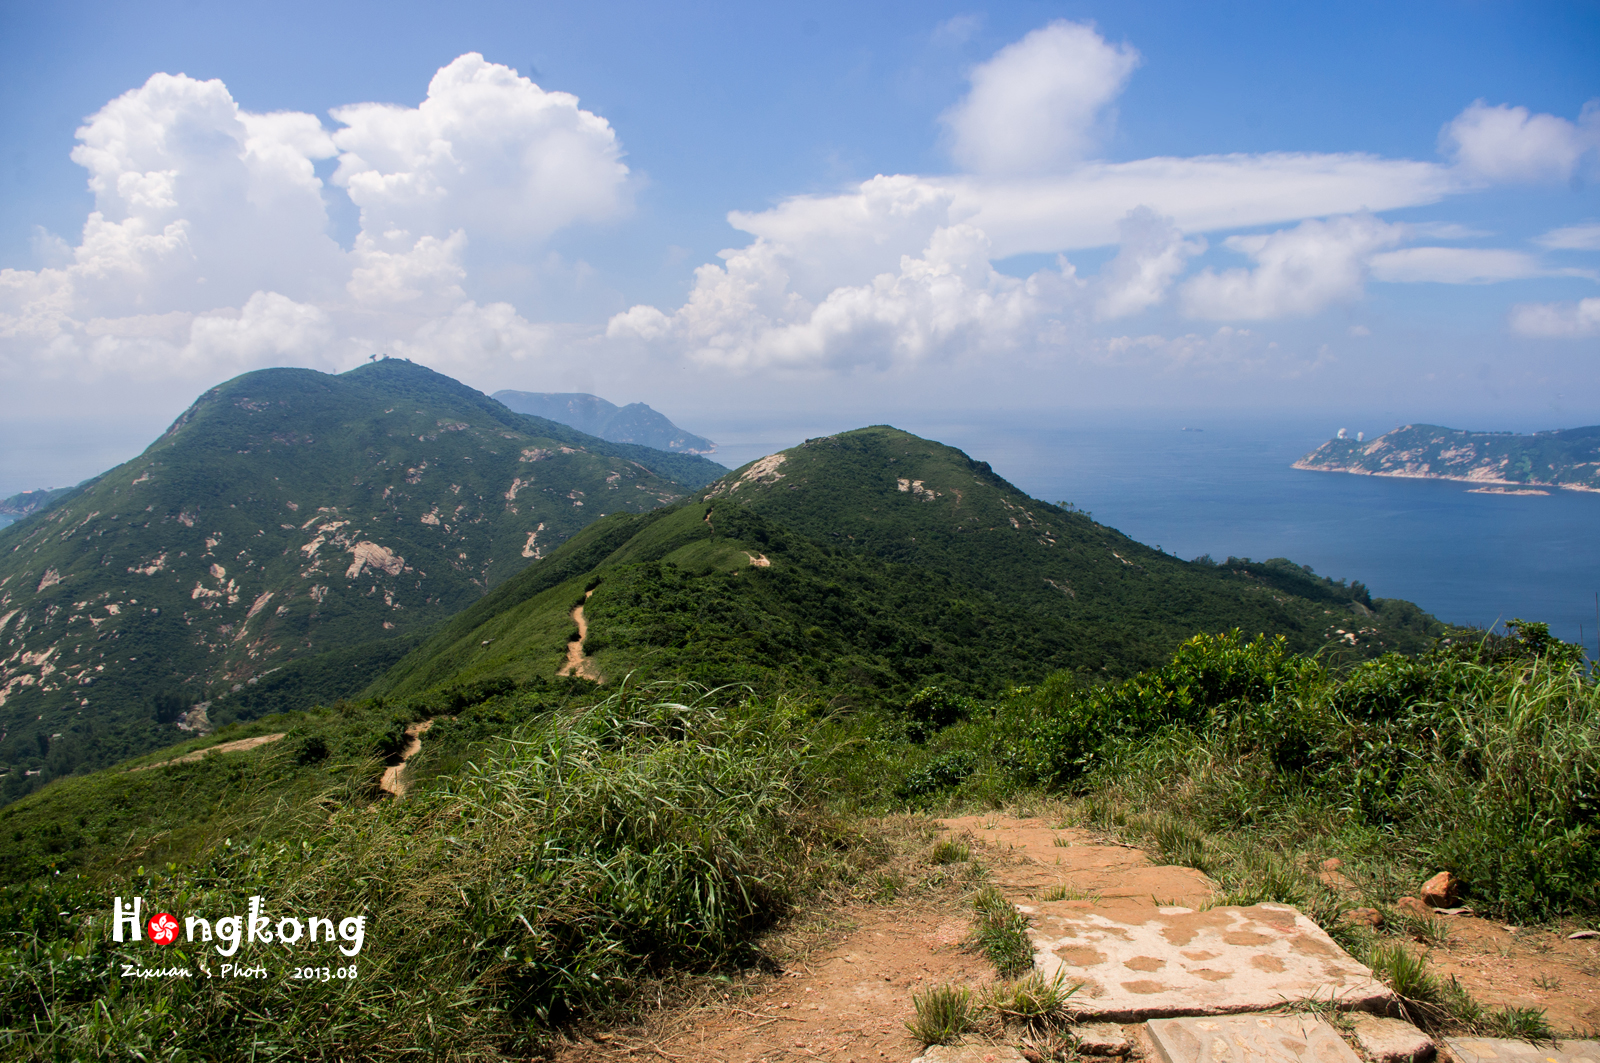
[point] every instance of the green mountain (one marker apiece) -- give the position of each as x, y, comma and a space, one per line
285, 541
867, 564
1568, 458
633, 423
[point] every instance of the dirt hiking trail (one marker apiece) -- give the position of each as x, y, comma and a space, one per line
238, 746
849, 974
577, 663
392, 783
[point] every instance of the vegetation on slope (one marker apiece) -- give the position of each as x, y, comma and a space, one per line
286, 515
817, 572
608, 842
563, 846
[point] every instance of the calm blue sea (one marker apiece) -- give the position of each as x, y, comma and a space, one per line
1229, 489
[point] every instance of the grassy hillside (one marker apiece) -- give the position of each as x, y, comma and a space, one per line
282, 543
868, 564
567, 848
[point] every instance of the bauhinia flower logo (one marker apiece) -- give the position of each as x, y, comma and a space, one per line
163, 929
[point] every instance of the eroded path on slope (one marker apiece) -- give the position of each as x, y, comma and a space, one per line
392, 783
577, 663
238, 746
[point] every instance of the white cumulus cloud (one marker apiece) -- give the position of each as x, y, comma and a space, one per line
1557, 320
1040, 103
1152, 254
1507, 144
1297, 271
209, 251
487, 151
946, 303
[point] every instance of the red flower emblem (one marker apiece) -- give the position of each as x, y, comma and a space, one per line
163, 929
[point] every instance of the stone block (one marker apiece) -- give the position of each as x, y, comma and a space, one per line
1102, 1039
970, 1054
1249, 1039
1391, 1040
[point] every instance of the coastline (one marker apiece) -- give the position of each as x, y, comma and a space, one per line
1482, 481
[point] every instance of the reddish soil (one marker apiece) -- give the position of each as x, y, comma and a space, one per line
1525, 967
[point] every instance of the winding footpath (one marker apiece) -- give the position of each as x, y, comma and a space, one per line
577, 663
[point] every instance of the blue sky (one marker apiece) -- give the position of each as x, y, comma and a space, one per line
838, 213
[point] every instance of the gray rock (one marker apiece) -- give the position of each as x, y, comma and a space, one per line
1391, 1040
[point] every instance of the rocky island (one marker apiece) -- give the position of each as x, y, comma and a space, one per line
1496, 462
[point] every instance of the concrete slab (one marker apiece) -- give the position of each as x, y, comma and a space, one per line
1140, 962
1500, 1050
1384, 1040
1249, 1039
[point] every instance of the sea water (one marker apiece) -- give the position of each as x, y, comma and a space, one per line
1225, 486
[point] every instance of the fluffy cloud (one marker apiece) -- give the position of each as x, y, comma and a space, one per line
946, 303
1557, 320
1510, 145
888, 216
208, 249
1152, 255
1040, 103
487, 151
1298, 271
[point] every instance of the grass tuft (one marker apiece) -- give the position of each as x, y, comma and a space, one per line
1000, 932
1033, 1000
944, 1013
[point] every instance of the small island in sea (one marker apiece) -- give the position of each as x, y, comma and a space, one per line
1505, 463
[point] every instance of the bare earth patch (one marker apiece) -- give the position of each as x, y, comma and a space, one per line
224, 747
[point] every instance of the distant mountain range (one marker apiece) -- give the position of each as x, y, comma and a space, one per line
21, 505
1498, 462
633, 423
288, 538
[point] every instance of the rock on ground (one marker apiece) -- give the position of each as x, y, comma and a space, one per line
970, 1054
1391, 1040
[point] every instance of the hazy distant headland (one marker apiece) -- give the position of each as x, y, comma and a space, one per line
1498, 462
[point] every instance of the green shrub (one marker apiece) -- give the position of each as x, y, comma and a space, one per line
942, 773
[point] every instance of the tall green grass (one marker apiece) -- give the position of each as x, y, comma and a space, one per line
588, 853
